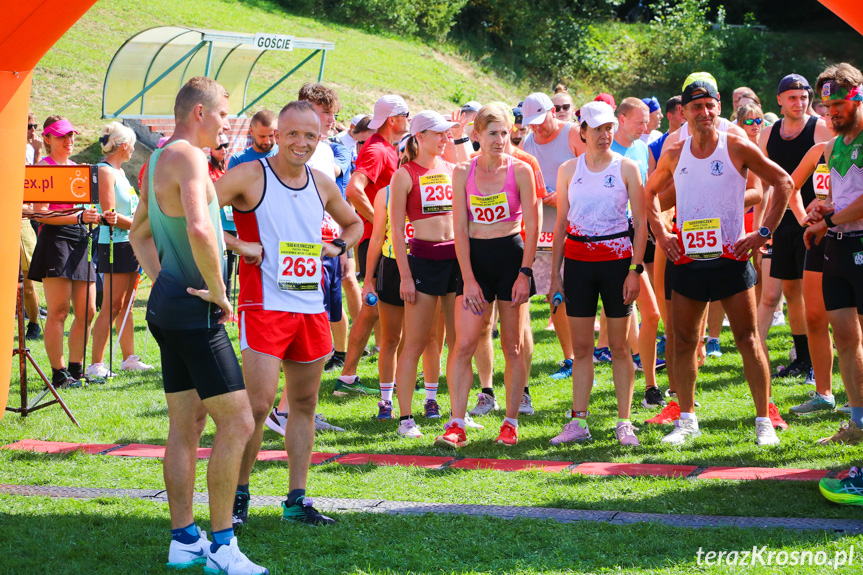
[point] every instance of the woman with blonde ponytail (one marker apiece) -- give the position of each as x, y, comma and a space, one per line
118, 200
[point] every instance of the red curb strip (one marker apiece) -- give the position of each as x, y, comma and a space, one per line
511, 464
429, 462
635, 469
426, 462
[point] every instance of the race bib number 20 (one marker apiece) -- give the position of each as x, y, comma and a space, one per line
702, 239
821, 181
489, 209
299, 266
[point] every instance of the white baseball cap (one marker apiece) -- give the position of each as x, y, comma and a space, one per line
597, 114
387, 107
534, 108
430, 120
472, 106
356, 119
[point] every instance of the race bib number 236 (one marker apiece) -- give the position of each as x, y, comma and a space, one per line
299, 266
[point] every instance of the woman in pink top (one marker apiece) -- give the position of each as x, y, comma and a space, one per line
492, 194
60, 262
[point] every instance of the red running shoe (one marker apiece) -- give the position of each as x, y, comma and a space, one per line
454, 436
669, 414
775, 418
508, 434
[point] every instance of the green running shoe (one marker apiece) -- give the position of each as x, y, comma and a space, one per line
302, 511
815, 403
848, 491
343, 389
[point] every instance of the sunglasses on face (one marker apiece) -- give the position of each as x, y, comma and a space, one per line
562, 107
32, 126
750, 121
222, 147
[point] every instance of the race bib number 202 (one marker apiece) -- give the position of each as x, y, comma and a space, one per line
299, 266
489, 209
702, 239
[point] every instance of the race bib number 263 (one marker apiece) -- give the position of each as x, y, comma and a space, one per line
299, 266
702, 239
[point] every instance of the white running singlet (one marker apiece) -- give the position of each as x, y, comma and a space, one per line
598, 204
710, 203
287, 223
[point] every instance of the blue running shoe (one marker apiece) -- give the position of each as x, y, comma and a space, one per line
636, 362
660, 345
713, 349
385, 410
601, 355
565, 370
432, 409
660, 364
810, 379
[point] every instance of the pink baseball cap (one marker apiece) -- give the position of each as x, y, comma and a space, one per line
59, 128
607, 98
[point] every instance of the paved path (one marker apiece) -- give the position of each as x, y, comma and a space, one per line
847, 526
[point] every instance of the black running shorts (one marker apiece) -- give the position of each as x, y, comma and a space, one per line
434, 277
713, 280
789, 251
814, 261
842, 280
389, 281
199, 359
495, 263
585, 282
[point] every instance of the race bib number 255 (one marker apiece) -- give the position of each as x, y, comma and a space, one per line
702, 239
299, 266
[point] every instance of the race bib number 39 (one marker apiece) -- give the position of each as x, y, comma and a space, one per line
299, 266
436, 193
702, 239
545, 241
489, 209
821, 181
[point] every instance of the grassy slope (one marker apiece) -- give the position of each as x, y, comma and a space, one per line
363, 67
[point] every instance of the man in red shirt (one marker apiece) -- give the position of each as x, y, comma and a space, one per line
376, 163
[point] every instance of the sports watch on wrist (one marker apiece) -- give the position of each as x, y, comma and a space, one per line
637, 268
765, 232
828, 219
526, 271
340, 243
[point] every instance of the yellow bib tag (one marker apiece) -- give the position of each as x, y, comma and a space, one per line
436, 193
702, 239
489, 209
299, 266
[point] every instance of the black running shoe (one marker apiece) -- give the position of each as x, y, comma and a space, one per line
241, 510
334, 362
796, 368
653, 398
66, 381
303, 512
33, 331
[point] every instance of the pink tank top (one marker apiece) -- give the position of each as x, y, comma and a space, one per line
504, 206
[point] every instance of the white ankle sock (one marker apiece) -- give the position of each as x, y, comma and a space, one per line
387, 391
431, 390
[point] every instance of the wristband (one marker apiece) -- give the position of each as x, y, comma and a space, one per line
81, 218
461, 141
828, 219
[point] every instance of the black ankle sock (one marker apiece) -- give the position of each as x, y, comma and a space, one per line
76, 370
294, 495
488, 391
527, 389
243, 489
57, 376
801, 344
340, 354
405, 417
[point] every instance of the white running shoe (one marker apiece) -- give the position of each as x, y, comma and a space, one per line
683, 429
408, 428
276, 421
526, 406
99, 371
321, 424
469, 423
181, 555
134, 363
229, 560
765, 434
778, 319
485, 404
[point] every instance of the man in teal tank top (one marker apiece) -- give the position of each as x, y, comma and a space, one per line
177, 237
841, 220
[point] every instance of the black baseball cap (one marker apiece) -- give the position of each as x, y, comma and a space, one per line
699, 89
792, 82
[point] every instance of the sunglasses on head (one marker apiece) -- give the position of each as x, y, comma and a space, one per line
32, 126
405, 115
750, 121
562, 107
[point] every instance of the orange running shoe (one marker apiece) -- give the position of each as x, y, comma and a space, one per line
669, 414
454, 436
508, 434
775, 418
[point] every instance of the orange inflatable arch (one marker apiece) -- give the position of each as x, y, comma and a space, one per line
27, 32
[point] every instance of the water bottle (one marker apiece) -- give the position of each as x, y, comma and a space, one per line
556, 301
371, 300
